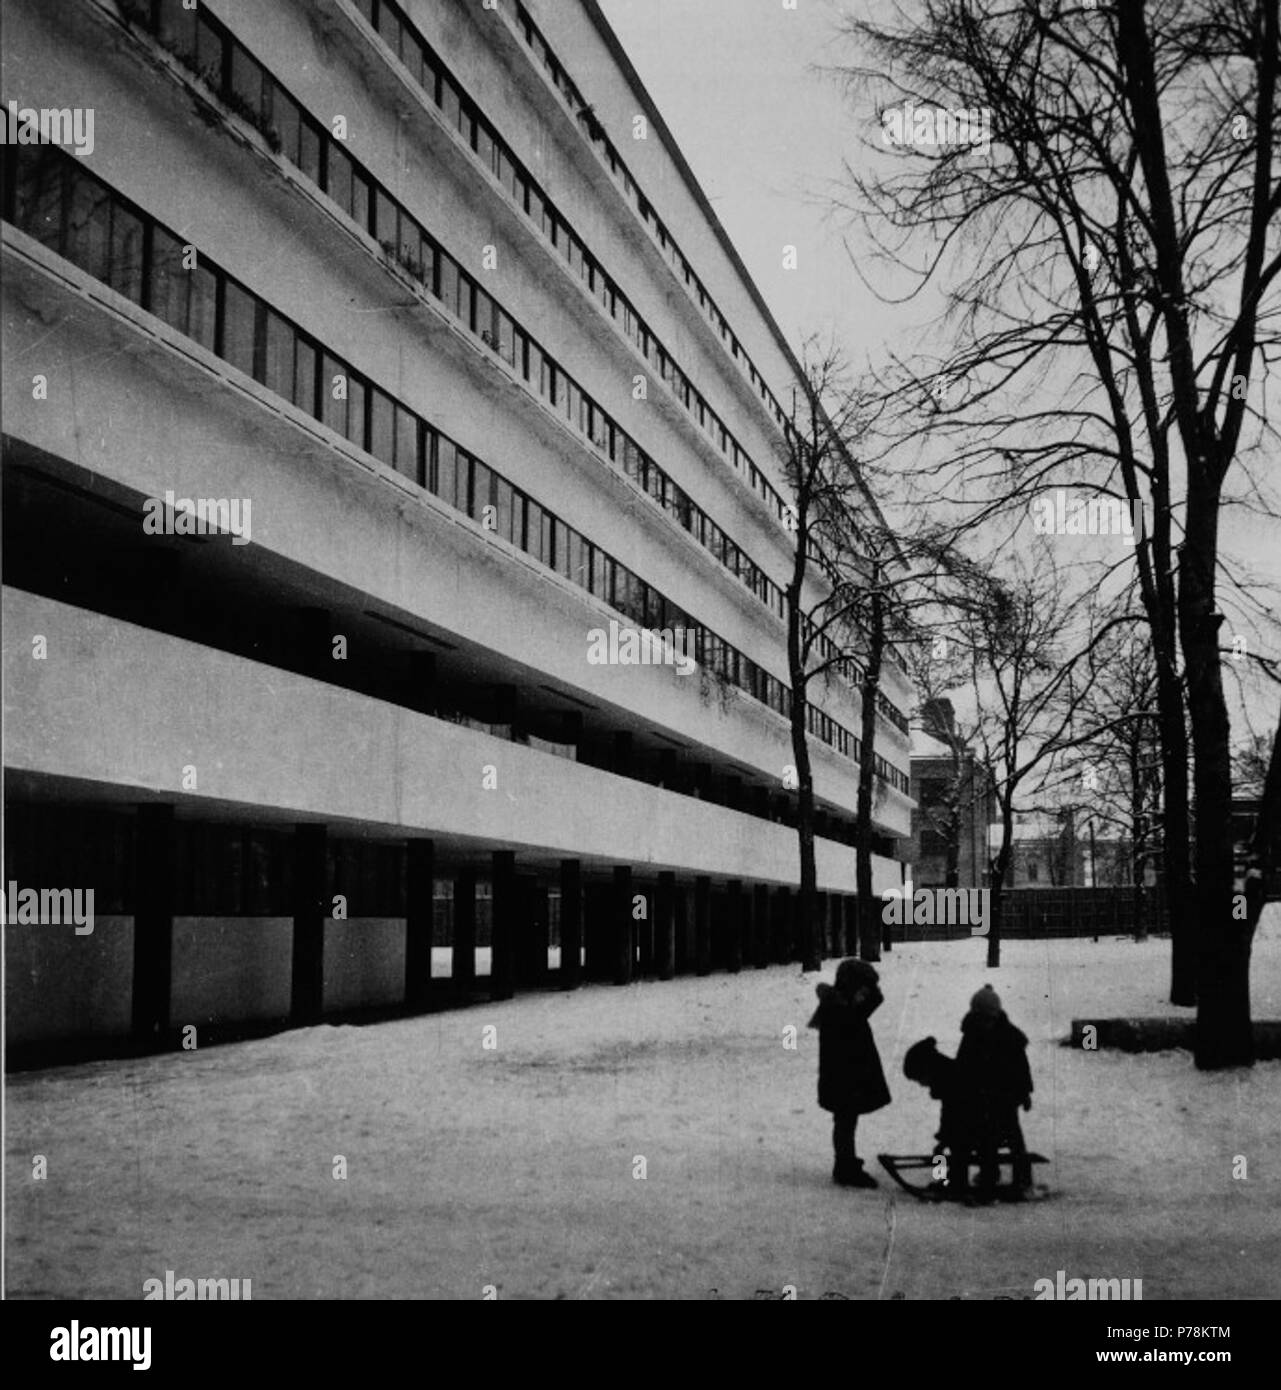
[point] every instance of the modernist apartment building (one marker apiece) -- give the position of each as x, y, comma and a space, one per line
378, 370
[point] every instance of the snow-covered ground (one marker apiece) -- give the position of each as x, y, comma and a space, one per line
517, 1165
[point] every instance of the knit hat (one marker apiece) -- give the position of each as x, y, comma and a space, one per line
986, 1001
850, 974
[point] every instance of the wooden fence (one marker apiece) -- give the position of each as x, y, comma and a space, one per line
1028, 913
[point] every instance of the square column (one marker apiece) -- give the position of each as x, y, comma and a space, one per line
620, 926
420, 885
153, 921
463, 935
571, 923
760, 933
737, 909
645, 939
683, 927
780, 927
502, 940
665, 927
703, 925
533, 930
310, 907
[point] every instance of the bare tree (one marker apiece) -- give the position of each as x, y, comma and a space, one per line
822, 595
870, 935
1119, 763
919, 582
860, 588
1024, 695
1110, 265
1250, 763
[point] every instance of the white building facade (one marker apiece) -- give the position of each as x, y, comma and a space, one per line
421, 306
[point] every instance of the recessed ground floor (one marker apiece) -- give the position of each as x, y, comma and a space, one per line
657, 1140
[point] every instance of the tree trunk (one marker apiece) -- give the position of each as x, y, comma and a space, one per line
1137, 923
952, 872
994, 924
872, 928
1138, 831
952, 866
1194, 604
1224, 1034
1175, 839
1160, 604
807, 902
808, 947
999, 867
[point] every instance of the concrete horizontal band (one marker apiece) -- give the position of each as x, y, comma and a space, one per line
128, 709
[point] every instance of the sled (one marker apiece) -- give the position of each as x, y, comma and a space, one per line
896, 1165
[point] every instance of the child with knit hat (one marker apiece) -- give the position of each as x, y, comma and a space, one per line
992, 1064
850, 1080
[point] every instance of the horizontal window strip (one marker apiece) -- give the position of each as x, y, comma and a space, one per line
432, 74
595, 134
210, 50
49, 195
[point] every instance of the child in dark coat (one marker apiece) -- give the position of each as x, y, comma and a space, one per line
924, 1063
992, 1063
850, 1080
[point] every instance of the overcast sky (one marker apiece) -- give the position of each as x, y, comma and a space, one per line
765, 136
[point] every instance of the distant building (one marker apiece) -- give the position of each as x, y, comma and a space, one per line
1245, 815
1046, 854
1058, 851
954, 799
